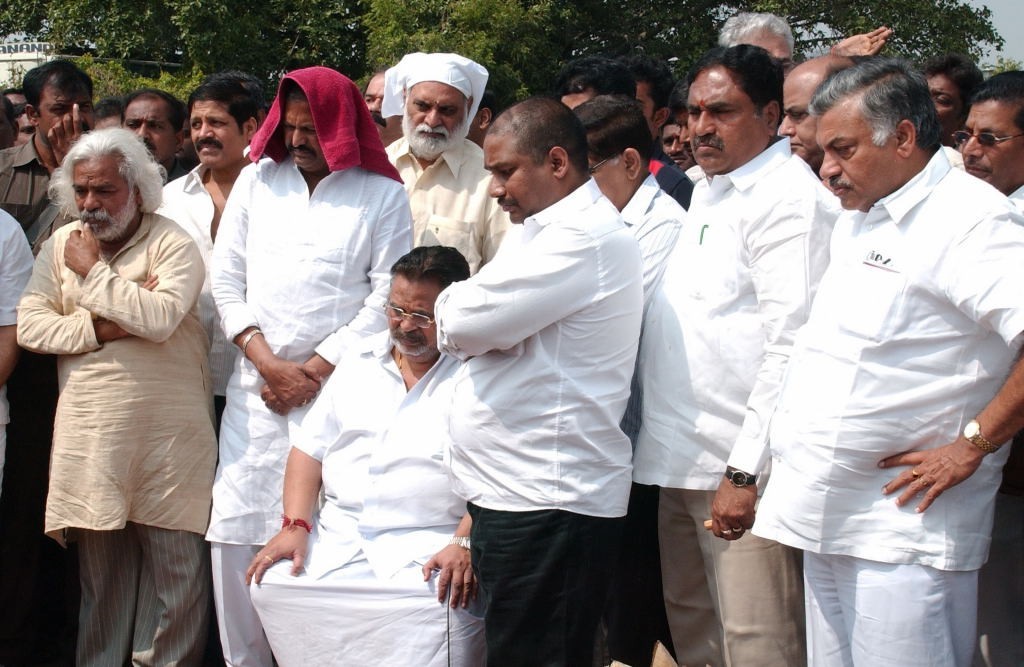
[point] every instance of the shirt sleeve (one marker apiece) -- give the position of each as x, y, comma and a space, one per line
228, 266
15, 267
392, 238
497, 224
150, 314
43, 326
518, 294
788, 253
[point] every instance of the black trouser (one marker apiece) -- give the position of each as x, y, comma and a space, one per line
544, 579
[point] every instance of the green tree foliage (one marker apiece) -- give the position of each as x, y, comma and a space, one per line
522, 42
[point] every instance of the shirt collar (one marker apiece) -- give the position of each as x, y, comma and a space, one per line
747, 175
636, 208
26, 153
194, 179
1018, 194
901, 202
567, 206
454, 157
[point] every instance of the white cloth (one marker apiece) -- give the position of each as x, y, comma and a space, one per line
388, 507
351, 617
450, 202
187, 202
459, 72
242, 639
386, 490
550, 330
912, 333
955, 157
720, 327
654, 219
312, 271
1017, 198
15, 270
866, 614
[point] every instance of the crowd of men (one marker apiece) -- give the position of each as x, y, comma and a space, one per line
393, 376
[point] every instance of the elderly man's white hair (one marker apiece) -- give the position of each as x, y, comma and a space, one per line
135, 164
746, 24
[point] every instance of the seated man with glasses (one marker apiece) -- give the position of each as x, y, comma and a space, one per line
380, 572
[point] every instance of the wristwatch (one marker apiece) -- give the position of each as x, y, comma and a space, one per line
972, 432
739, 478
460, 541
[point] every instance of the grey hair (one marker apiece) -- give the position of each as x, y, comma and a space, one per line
135, 165
891, 91
745, 24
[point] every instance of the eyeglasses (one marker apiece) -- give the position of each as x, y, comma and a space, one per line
986, 139
600, 164
396, 313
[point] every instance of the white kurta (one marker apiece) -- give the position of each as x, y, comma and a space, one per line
312, 271
15, 268
187, 202
388, 507
913, 331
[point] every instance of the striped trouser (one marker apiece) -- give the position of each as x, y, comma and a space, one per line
145, 595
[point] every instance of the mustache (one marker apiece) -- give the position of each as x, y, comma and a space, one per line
297, 150
209, 141
712, 140
836, 182
423, 128
507, 201
378, 118
93, 217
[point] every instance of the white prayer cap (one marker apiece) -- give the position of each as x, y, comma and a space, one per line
459, 72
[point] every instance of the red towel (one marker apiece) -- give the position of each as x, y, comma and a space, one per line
344, 127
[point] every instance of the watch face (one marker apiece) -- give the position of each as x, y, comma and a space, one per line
971, 430
739, 478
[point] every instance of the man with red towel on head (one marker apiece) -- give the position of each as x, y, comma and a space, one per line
300, 272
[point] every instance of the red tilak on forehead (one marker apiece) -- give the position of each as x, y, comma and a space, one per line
702, 105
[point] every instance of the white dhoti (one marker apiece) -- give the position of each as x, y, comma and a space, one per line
349, 616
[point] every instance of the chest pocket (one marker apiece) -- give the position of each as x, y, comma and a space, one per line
458, 234
867, 300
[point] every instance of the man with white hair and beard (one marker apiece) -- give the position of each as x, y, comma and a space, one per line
114, 296
437, 94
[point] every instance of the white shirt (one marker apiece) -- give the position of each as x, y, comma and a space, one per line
450, 202
1017, 198
386, 488
912, 333
718, 332
313, 273
15, 270
654, 218
550, 330
187, 202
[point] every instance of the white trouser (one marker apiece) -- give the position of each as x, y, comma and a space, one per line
862, 613
241, 633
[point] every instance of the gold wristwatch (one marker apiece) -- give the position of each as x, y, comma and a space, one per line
972, 432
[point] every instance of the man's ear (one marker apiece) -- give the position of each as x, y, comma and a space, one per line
906, 138
633, 163
660, 118
558, 159
249, 128
484, 118
33, 115
772, 114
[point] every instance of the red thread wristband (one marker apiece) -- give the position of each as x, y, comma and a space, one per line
302, 523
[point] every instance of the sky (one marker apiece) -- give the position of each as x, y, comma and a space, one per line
1008, 18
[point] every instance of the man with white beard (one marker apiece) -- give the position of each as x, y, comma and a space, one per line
436, 94
114, 296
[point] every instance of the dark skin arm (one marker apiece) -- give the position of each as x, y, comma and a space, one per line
935, 470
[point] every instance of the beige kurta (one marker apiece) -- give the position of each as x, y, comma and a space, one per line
450, 202
133, 439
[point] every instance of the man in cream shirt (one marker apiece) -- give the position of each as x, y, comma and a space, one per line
437, 94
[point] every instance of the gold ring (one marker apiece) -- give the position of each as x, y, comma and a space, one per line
269, 559
915, 473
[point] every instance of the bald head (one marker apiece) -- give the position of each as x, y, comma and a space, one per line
797, 90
